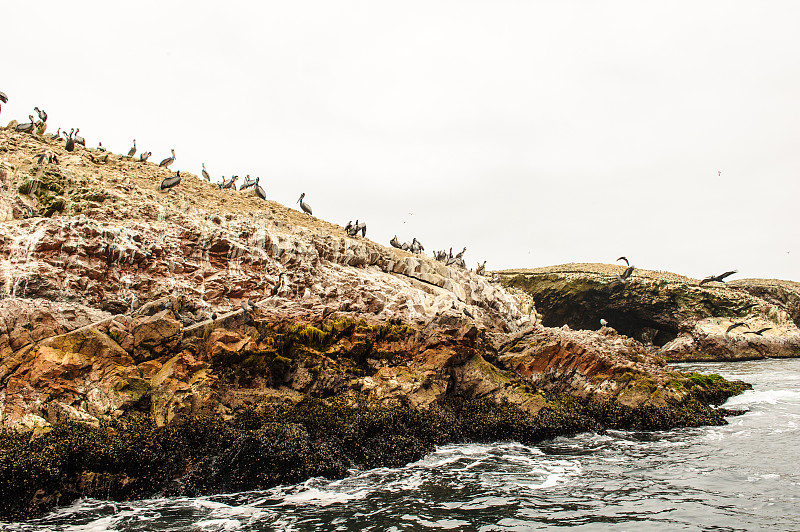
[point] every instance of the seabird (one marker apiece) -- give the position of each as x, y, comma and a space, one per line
132, 151
70, 145
625, 259
205, 173
78, 139
169, 160
468, 313
460, 255
228, 184
481, 268
100, 146
41, 113
395, 243
745, 307
260, 191
719, 278
144, 156
171, 181
603, 322
303, 205
3, 97
26, 127
758, 332
53, 136
247, 183
628, 271
278, 284
735, 325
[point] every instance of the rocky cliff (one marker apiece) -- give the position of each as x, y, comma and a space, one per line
132, 362
681, 318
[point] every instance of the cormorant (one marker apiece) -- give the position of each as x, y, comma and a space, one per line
171, 181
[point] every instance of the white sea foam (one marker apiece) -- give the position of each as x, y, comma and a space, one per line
752, 397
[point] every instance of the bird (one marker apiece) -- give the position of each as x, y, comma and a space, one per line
171, 181
70, 145
625, 259
56, 135
205, 173
735, 325
719, 278
278, 284
78, 139
132, 151
628, 271
213, 316
3, 97
259, 191
745, 307
758, 332
247, 183
395, 243
25, 127
100, 146
416, 246
228, 184
144, 156
169, 160
461, 255
622, 279
468, 313
250, 303
41, 113
303, 205
481, 269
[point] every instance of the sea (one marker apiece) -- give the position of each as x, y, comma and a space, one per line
742, 476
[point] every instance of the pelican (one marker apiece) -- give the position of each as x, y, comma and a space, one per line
70, 145
626, 260
481, 268
144, 156
303, 205
395, 243
41, 113
78, 139
278, 285
171, 181
27, 127
132, 151
41, 127
228, 184
100, 147
461, 255
56, 135
247, 183
628, 271
259, 191
758, 332
205, 173
719, 278
735, 325
169, 160
416, 246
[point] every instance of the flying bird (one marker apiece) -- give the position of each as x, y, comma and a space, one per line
303, 205
625, 259
735, 325
719, 278
758, 332
745, 307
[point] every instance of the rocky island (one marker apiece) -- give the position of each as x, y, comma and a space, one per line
200, 340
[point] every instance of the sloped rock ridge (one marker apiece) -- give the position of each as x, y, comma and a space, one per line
203, 340
685, 321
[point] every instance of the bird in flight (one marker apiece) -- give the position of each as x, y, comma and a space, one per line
758, 332
738, 324
719, 278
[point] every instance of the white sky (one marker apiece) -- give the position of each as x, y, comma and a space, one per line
532, 132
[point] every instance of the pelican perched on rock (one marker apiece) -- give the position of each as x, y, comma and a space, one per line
228, 184
416, 246
41, 113
481, 268
53, 136
144, 156
303, 205
205, 173
171, 181
132, 151
70, 145
168, 161
719, 278
78, 139
26, 127
259, 191
396, 243
247, 183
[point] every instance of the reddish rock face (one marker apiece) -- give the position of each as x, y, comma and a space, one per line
126, 299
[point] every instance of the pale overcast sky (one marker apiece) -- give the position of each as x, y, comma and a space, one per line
532, 132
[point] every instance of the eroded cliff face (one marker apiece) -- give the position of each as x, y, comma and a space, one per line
121, 310
684, 320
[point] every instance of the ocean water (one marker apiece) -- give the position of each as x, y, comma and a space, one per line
743, 476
